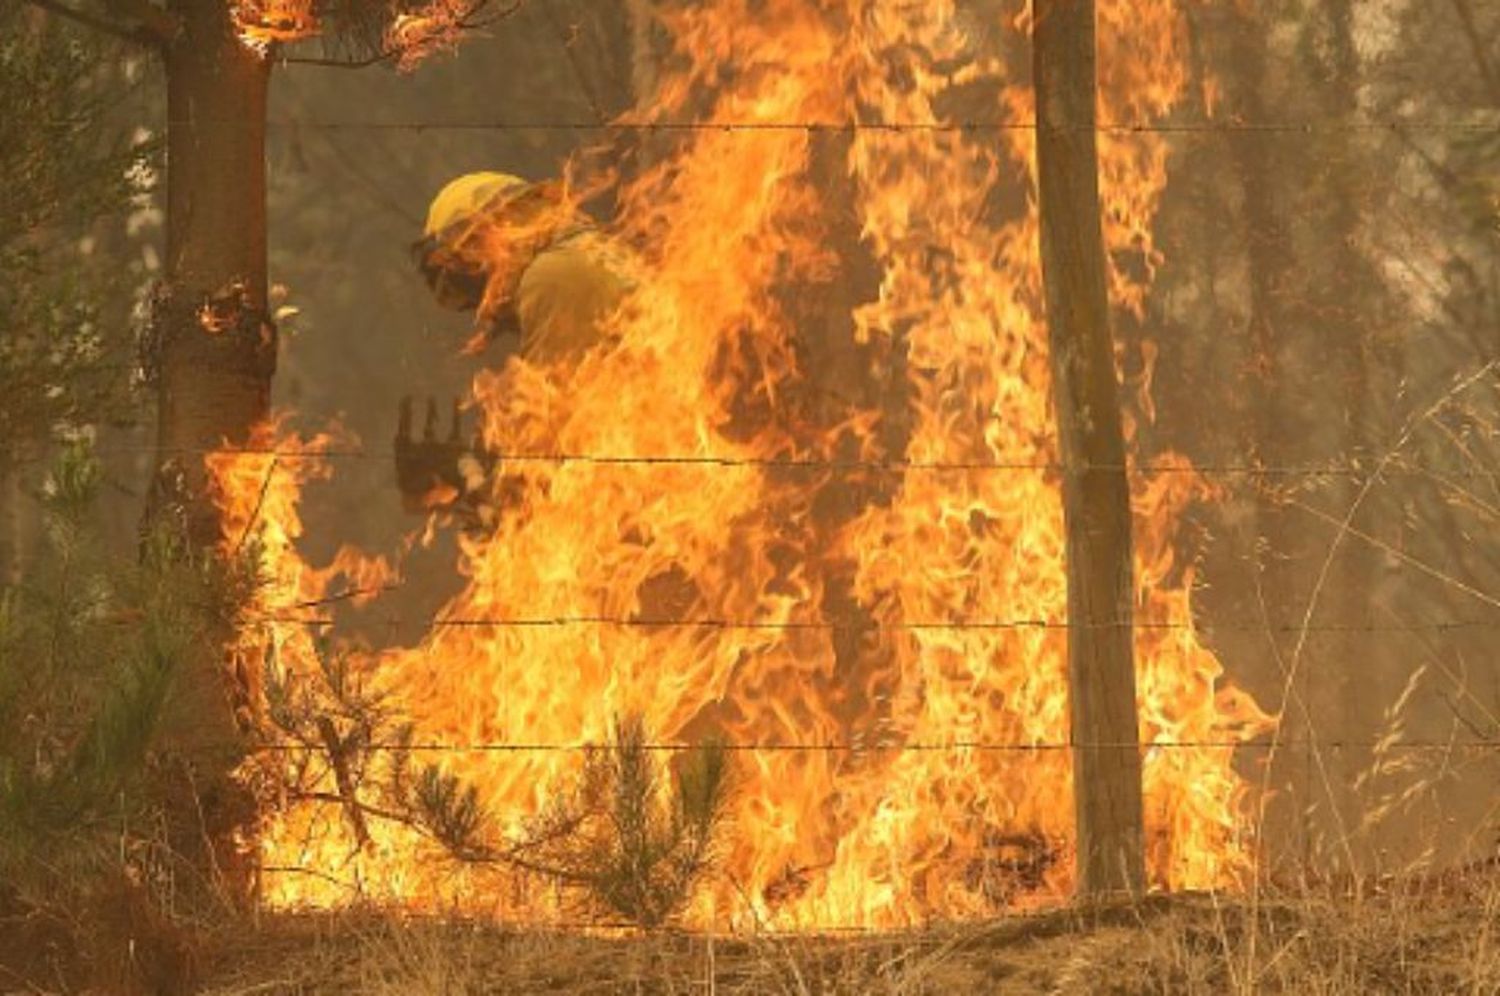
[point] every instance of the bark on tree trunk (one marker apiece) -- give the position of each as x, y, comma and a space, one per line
1096, 492
217, 348
214, 356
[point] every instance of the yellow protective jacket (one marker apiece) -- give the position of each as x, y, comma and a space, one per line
565, 295
561, 294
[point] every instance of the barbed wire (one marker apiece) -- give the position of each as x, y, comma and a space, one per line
1402, 469
815, 625
852, 127
977, 746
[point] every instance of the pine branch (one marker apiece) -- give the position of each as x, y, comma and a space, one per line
339, 749
358, 805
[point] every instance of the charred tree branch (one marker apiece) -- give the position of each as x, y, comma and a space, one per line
137, 35
565, 37
339, 750
385, 55
393, 54
358, 806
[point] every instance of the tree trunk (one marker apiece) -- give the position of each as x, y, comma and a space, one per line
214, 355
216, 349
1096, 492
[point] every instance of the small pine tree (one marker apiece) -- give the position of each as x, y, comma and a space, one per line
619, 840
90, 653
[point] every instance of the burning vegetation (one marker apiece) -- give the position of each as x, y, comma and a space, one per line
880, 429
849, 576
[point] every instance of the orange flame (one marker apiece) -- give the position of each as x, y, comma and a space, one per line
264, 23
879, 584
438, 27
412, 36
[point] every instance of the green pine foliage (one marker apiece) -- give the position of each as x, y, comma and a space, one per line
639, 850
623, 841
90, 652
64, 167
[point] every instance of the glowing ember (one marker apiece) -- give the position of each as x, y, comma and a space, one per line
410, 38
437, 27
915, 634
263, 23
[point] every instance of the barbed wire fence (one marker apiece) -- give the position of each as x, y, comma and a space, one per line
1366, 473
1363, 471
289, 615
1356, 469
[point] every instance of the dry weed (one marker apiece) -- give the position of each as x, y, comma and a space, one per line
1438, 934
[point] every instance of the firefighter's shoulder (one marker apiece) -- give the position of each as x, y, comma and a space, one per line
564, 295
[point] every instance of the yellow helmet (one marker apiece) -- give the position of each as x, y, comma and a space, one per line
456, 278
468, 196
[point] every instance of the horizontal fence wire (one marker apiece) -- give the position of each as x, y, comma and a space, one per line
852, 127
1304, 471
815, 625
1390, 469
976, 746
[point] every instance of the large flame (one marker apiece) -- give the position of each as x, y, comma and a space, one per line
865, 594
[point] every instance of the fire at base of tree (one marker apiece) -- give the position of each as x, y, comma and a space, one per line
981, 495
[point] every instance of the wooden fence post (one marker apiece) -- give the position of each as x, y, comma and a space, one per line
1096, 491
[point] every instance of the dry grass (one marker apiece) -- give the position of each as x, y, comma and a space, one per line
1428, 936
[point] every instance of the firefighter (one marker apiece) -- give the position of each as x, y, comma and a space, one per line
523, 260
526, 263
